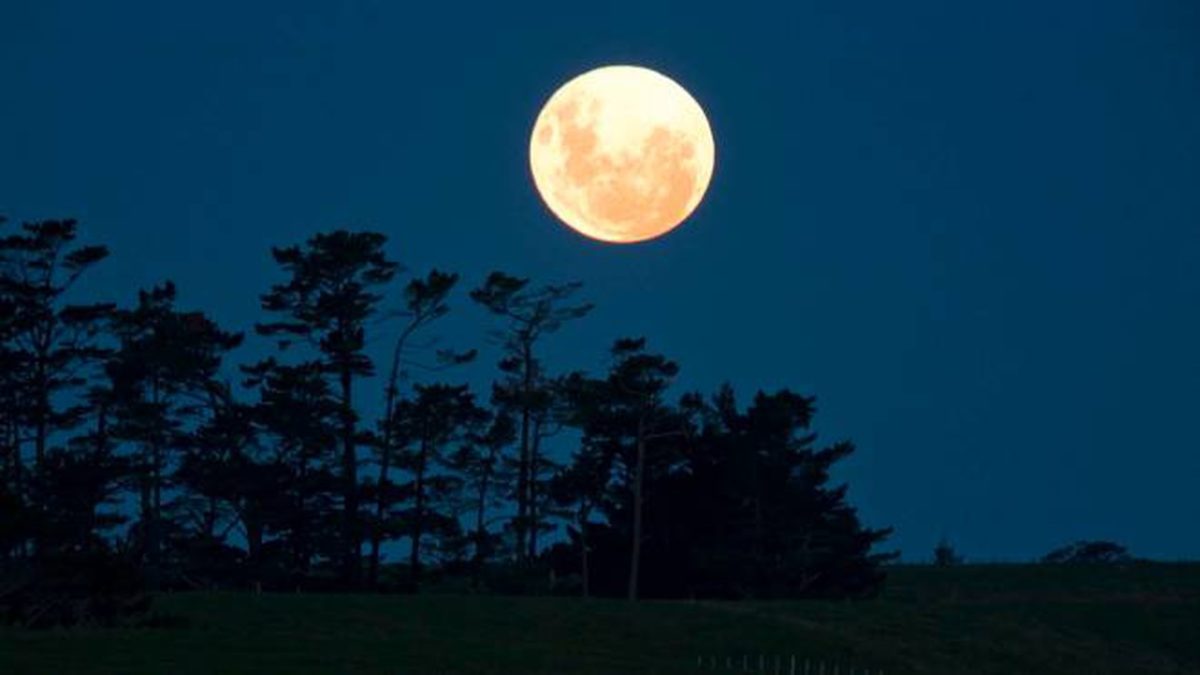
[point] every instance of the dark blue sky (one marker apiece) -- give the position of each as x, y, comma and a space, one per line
971, 229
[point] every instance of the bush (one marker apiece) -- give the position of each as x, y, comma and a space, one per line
1089, 553
91, 589
944, 555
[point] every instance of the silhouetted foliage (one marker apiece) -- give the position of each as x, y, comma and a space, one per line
737, 507
162, 373
56, 564
478, 461
425, 301
1089, 553
438, 417
94, 588
327, 301
297, 421
525, 390
129, 464
944, 554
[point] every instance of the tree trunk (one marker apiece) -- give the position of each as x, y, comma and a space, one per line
42, 416
254, 540
583, 551
534, 516
414, 556
385, 459
155, 524
300, 538
480, 532
353, 554
153, 502
381, 504
523, 467
636, 555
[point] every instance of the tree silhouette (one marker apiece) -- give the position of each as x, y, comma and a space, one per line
1088, 553
162, 374
437, 417
530, 314
425, 301
52, 346
624, 413
478, 461
327, 301
224, 486
783, 530
944, 554
120, 443
740, 504
581, 486
298, 419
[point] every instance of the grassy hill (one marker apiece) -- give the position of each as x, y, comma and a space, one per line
971, 620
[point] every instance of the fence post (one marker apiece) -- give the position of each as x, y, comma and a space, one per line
760, 662
778, 662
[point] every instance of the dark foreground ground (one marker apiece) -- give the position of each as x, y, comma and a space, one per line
972, 620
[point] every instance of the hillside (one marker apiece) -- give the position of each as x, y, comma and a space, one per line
971, 620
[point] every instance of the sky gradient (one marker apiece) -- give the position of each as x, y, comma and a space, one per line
971, 230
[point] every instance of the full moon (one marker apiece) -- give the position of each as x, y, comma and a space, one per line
621, 154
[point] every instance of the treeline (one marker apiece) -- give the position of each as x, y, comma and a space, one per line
132, 438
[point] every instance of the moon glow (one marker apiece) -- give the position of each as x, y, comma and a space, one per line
621, 154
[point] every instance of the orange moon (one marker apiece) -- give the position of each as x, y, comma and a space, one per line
622, 154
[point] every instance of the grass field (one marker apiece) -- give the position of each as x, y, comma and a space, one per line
1011, 620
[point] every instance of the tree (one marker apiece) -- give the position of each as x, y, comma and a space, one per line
298, 419
636, 383
81, 485
13, 516
552, 412
619, 416
223, 485
438, 416
424, 303
741, 503
784, 530
52, 346
1089, 553
479, 463
162, 374
580, 487
944, 554
327, 301
50, 353
530, 314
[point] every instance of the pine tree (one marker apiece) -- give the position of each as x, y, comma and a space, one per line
479, 461
530, 314
162, 373
299, 420
327, 300
438, 417
425, 301
580, 487
754, 503
51, 346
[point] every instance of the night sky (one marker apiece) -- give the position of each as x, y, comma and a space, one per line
971, 229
